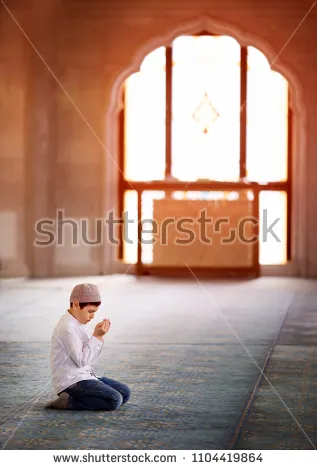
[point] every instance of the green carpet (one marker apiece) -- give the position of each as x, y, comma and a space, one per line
175, 343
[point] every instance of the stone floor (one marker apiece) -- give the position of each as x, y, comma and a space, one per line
192, 352
283, 414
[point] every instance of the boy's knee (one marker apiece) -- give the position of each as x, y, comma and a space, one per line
116, 401
126, 394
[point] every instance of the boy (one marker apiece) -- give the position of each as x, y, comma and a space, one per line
72, 355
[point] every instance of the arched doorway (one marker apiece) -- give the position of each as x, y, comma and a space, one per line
206, 123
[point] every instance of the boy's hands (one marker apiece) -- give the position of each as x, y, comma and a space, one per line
102, 328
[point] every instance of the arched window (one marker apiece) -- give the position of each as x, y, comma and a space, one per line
202, 119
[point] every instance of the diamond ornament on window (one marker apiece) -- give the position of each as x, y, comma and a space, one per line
205, 114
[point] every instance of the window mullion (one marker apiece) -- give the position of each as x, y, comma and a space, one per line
243, 111
168, 135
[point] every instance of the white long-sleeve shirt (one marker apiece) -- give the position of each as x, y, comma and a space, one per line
72, 353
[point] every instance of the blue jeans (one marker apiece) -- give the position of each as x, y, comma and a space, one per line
102, 394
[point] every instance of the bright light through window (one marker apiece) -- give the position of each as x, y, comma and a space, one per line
206, 127
273, 227
145, 120
206, 108
267, 123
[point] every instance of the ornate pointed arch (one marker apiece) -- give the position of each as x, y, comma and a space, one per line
206, 24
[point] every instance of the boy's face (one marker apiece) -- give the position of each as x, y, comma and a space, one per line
86, 314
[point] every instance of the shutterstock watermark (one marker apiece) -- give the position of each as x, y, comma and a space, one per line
177, 230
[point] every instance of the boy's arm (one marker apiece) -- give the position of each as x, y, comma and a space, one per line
81, 354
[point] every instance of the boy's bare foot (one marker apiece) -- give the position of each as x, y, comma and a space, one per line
61, 403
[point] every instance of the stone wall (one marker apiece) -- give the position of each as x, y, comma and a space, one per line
57, 105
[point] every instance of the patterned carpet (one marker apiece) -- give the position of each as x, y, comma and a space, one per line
191, 366
283, 414
182, 397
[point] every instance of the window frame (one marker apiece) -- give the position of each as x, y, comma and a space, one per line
169, 185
